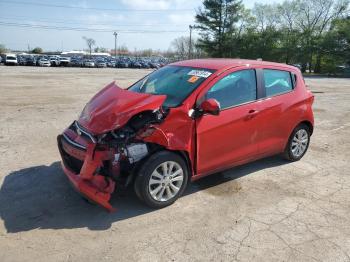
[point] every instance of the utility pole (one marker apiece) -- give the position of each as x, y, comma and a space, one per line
190, 47
115, 45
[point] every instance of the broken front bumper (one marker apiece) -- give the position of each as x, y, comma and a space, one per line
82, 162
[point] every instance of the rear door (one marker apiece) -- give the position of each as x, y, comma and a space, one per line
230, 137
276, 109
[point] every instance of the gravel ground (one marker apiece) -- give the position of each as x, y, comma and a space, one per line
269, 210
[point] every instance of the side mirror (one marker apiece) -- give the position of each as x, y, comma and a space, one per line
210, 106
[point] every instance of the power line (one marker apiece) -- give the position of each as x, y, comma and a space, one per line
71, 22
99, 30
92, 8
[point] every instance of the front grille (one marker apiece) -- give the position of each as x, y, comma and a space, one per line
72, 163
69, 161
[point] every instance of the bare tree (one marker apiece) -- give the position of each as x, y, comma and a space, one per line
266, 16
314, 17
90, 43
181, 46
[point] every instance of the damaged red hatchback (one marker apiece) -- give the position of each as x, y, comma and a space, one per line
185, 121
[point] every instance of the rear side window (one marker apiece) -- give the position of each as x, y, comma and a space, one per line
277, 82
234, 89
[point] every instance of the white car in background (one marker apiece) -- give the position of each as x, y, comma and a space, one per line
11, 59
55, 60
44, 62
64, 61
89, 63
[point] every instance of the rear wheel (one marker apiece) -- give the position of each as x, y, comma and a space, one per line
161, 179
298, 143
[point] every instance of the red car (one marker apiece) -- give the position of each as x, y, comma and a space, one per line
185, 121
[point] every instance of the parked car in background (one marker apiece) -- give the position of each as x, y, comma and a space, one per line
122, 64
21, 60
76, 62
30, 61
39, 58
154, 65
111, 63
64, 61
297, 65
11, 59
89, 63
44, 62
158, 134
54, 60
101, 63
136, 64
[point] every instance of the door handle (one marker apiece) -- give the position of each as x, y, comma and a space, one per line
252, 113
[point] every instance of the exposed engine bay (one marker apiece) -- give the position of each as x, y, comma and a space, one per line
127, 143
115, 133
97, 162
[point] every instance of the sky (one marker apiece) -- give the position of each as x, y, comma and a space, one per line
140, 24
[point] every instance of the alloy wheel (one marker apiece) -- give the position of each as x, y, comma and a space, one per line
299, 143
166, 181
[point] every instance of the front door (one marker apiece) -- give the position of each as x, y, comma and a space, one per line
229, 138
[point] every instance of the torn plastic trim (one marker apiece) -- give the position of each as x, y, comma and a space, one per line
81, 130
72, 142
88, 181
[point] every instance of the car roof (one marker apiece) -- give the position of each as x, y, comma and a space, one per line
222, 63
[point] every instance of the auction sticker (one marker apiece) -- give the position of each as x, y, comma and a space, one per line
199, 73
193, 79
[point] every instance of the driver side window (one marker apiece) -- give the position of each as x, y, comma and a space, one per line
234, 89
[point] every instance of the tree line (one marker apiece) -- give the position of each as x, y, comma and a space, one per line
312, 33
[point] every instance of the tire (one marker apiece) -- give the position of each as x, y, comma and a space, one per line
154, 187
300, 138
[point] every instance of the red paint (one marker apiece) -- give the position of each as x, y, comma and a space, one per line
95, 189
112, 107
210, 106
90, 184
237, 135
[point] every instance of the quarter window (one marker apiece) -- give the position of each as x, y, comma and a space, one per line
234, 89
277, 82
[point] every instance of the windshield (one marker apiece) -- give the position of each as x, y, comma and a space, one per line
176, 82
11, 58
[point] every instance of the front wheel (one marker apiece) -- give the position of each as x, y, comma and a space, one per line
161, 179
298, 143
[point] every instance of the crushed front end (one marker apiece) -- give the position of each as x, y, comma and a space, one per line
116, 130
85, 164
95, 163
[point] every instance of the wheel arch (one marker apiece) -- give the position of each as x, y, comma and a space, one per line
157, 148
187, 160
308, 124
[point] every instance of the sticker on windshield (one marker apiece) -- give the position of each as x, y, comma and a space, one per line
193, 79
199, 73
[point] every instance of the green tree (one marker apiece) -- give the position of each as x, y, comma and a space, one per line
341, 27
2, 49
37, 50
289, 35
217, 23
335, 46
100, 50
313, 20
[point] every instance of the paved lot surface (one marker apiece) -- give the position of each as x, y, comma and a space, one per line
270, 210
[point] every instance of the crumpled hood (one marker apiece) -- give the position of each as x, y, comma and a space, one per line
112, 107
